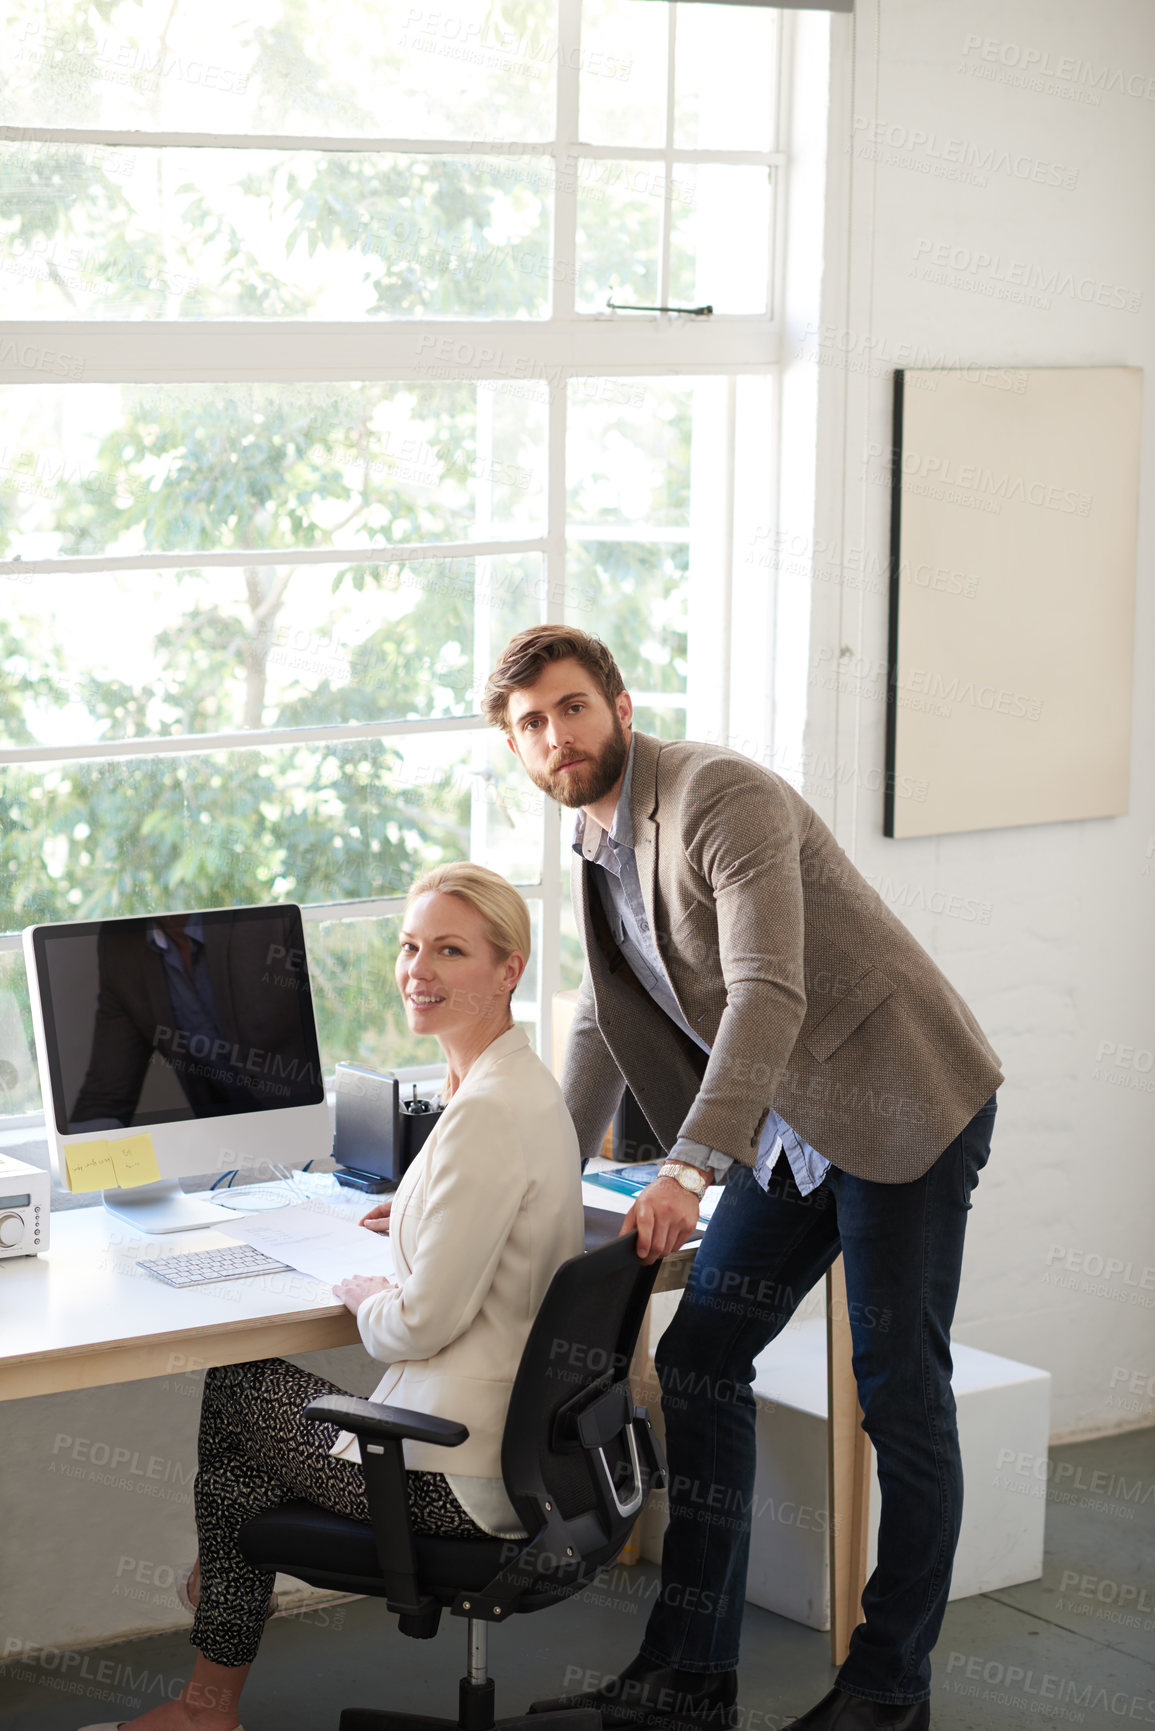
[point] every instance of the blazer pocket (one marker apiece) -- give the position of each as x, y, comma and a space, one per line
869, 991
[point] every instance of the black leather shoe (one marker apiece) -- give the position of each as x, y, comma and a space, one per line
655, 1696
839, 1711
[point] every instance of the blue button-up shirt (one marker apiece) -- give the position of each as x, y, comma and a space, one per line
193, 1009
620, 889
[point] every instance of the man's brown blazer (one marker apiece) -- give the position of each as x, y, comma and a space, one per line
813, 997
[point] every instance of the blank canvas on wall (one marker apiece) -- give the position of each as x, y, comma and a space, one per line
1013, 534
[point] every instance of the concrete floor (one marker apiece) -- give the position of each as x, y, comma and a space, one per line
1077, 1646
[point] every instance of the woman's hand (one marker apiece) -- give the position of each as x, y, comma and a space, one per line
358, 1287
377, 1219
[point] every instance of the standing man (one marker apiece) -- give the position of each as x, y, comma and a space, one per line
775, 1020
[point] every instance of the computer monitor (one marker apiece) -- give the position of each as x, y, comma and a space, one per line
175, 1044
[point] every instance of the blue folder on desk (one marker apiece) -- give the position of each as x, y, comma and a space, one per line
630, 1180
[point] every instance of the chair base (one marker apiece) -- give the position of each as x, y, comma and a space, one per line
370, 1719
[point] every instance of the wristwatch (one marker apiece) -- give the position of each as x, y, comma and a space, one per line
691, 1178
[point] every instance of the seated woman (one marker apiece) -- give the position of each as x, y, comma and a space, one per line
484, 1215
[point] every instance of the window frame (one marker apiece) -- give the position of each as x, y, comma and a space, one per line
566, 345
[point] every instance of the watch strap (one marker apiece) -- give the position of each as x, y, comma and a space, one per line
691, 1178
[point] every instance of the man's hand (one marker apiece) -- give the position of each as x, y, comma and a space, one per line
377, 1219
665, 1215
358, 1287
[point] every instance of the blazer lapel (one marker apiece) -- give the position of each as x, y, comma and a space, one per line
401, 1229
643, 812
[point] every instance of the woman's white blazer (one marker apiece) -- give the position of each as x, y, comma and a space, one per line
482, 1218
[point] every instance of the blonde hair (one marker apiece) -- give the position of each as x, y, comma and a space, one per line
504, 912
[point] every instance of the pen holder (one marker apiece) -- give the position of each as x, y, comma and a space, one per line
378, 1134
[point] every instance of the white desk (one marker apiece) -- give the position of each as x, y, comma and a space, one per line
82, 1314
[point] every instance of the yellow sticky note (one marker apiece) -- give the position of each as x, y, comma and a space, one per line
90, 1167
134, 1158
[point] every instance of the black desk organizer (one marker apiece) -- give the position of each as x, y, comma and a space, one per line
382, 1125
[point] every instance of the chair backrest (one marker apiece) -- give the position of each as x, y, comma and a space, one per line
580, 1346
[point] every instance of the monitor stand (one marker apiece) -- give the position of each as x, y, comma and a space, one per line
164, 1207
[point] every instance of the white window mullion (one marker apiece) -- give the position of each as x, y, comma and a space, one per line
569, 30
410, 553
668, 157
396, 146
264, 351
710, 559
186, 745
367, 908
554, 612
483, 483
120, 139
314, 913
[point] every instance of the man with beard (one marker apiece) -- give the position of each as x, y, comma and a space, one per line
776, 1022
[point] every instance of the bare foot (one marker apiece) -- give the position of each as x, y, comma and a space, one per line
208, 1702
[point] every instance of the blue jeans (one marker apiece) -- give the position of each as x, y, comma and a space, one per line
902, 1245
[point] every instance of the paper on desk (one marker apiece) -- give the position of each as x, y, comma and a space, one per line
315, 1241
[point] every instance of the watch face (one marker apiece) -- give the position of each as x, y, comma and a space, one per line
690, 1179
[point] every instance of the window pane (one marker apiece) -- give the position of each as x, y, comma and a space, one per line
187, 652
628, 461
622, 91
720, 238
360, 1019
203, 234
19, 1082
628, 453
619, 216
310, 823
133, 469
361, 69
726, 77
641, 606
507, 810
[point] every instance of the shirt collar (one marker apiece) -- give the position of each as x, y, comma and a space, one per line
194, 930
621, 831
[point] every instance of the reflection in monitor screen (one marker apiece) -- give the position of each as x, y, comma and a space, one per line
196, 1015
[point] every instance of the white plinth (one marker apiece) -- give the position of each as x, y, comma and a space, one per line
1001, 1406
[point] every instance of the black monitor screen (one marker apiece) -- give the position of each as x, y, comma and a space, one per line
195, 1015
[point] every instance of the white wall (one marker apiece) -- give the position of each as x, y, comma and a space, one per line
939, 151
97, 1497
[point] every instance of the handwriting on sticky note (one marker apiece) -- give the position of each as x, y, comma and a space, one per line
90, 1167
134, 1159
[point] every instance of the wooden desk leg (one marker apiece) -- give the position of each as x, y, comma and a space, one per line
848, 1463
644, 1394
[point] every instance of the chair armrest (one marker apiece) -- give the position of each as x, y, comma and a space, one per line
381, 1431
386, 1423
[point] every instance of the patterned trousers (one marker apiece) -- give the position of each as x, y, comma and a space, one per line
257, 1451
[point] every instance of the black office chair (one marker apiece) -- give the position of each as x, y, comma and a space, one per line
578, 1459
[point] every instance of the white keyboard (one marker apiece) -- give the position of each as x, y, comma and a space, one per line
202, 1267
